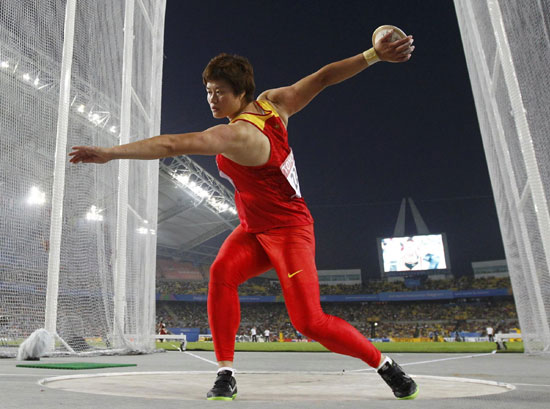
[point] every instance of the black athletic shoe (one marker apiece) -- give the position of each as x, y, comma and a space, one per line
402, 385
225, 387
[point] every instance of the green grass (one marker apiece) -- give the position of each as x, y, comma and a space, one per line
446, 347
419, 347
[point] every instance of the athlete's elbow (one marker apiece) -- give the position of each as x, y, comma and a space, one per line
333, 74
168, 145
325, 77
324, 82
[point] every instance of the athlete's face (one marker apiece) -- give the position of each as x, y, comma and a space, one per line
222, 100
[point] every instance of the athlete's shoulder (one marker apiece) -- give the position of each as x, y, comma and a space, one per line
275, 98
259, 117
268, 106
241, 127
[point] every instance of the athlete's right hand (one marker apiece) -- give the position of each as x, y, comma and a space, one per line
89, 154
394, 51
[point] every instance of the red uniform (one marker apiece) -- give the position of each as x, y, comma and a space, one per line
276, 231
267, 196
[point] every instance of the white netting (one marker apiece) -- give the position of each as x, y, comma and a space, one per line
99, 258
507, 46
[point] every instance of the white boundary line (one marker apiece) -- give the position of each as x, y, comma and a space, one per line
531, 384
112, 374
46, 381
508, 386
201, 358
428, 362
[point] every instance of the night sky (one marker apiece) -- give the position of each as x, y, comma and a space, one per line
393, 131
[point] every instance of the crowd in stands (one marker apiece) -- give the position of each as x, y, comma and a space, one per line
270, 287
166, 287
396, 319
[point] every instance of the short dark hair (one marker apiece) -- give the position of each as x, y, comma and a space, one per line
234, 69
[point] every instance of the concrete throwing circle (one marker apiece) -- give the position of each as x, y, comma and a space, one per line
265, 386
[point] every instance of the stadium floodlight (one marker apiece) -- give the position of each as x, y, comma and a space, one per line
4, 64
182, 178
221, 206
145, 230
95, 118
198, 190
99, 117
94, 214
193, 186
81, 108
182, 169
203, 193
214, 203
26, 77
36, 196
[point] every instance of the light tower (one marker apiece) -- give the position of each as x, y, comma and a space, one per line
399, 230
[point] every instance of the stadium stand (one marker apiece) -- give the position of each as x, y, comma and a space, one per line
398, 319
401, 319
269, 287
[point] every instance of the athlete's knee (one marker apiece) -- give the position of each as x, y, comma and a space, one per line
311, 325
221, 273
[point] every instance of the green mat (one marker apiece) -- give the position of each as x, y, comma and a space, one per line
73, 365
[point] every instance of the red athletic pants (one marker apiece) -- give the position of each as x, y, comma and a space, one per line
291, 251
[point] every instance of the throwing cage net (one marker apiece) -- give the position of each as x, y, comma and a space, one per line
78, 244
507, 46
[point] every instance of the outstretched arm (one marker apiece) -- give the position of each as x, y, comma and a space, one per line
289, 100
218, 139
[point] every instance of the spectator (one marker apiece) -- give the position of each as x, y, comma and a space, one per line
490, 334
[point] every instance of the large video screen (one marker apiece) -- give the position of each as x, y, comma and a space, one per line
413, 253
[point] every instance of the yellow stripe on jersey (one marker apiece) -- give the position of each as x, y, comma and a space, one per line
266, 106
258, 119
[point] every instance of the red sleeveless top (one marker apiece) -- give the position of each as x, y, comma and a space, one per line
267, 196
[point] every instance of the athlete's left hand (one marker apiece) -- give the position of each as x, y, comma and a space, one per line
89, 154
396, 51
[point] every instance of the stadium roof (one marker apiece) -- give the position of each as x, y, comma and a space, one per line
195, 213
